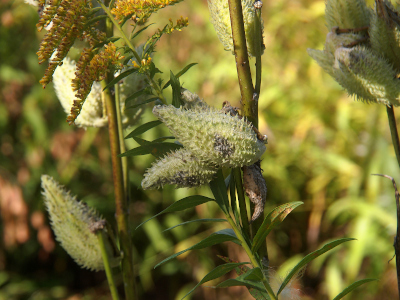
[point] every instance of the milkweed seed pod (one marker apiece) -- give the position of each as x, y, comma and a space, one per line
219, 12
363, 73
93, 112
366, 75
180, 168
192, 100
72, 222
384, 32
347, 14
212, 135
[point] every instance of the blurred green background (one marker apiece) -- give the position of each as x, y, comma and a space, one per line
323, 148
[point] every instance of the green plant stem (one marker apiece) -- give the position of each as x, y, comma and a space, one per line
393, 131
242, 60
242, 201
107, 266
121, 205
153, 84
124, 160
258, 43
251, 256
249, 95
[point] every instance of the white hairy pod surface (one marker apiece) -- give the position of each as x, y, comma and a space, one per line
366, 76
255, 188
219, 12
213, 136
361, 71
192, 100
93, 112
347, 14
384, 32
73, 222
180, 168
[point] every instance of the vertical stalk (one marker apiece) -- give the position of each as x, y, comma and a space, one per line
124, 160
396, 145
258, 45
393, 131
249, 95
253, 259
242, 60
107, 266
121, 204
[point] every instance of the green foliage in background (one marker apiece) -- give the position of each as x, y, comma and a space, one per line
322, 148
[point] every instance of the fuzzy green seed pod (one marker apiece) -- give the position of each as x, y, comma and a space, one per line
73, 222
219, 12
347, 14
367, 76
213, 136
192, 100
93, 112
180, 168
384, 32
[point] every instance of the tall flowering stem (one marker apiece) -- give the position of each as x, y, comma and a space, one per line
121, 205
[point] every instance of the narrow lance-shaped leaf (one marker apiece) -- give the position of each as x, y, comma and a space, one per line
182, 204
176, 90
135, 95
143, 128
275, 217
139, 31
216, 273
119, 77
309, 258
352, 287
179, 74
241, 281
218, 189
156, 149
141, 103
196, 221
207, 242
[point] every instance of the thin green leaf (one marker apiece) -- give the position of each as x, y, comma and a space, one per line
218, 189
176, 90
140, 30
254, 275
232, 192
94, 20
179, 74
119, 77
216, 273
207, 242
135, 95
352, 286
226, 231
141, 141
127, 59
193, 221
141, 103
182, 204
156, 149
153, 70
275, 217
143, 128
309, 258
128, 17
163, 138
